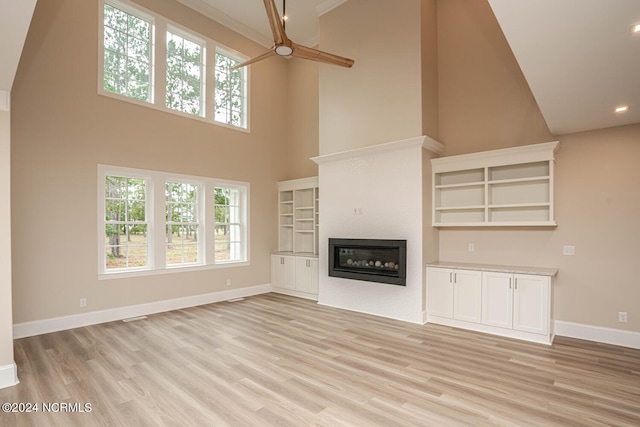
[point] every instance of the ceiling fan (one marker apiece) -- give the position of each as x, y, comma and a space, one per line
284, 47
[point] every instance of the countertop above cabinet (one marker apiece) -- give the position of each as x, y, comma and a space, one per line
513, 269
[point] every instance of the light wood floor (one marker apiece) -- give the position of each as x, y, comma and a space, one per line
277, 360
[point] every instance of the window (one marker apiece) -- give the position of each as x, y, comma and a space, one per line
199, 222
228, 231
185, 74
127, 54
182, 223
149, 60
125, 223
230, 91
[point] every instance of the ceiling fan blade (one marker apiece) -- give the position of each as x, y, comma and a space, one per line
279, 36
265, 55
304, 52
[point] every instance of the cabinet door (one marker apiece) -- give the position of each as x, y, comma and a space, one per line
531, 303
283, 273
440, 292
307, 275
467, 295
497, 299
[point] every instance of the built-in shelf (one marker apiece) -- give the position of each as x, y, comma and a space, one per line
298, 209
508, 187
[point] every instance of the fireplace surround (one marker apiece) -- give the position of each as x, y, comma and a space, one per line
372, 260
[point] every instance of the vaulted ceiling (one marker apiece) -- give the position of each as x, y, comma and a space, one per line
580, 58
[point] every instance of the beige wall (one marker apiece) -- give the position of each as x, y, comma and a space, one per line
379, 99
485, 102
302, 118
62, 129
6, 330
429, 49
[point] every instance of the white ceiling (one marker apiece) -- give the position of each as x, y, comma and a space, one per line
249, 18
578, 56
15, 17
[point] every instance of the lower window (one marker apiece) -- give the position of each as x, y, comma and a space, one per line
132, 240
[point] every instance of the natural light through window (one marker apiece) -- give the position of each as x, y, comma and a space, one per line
151, 222
127, 54
146, 59
185, 75
125, 228
182, 223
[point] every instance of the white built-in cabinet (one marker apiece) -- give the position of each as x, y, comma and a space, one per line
500, 302
516, 301
507, 187
294, 268
455, 294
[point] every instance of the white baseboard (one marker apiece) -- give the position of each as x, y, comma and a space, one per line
8, 375
597, 333
37, 327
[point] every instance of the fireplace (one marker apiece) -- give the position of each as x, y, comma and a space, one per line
372, 260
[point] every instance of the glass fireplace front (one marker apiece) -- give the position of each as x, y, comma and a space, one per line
372, 260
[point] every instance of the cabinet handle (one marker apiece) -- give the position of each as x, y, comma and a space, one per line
510, 279
450, 277
516, 283
455, 279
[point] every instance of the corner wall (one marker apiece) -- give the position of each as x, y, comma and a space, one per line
7, 366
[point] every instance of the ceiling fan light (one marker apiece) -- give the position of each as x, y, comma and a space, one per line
284, 50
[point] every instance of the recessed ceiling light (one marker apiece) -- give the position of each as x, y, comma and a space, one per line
622, 108
635, 28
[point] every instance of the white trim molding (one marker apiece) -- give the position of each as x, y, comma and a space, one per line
38, 327
598, 334
8, 375
5, 100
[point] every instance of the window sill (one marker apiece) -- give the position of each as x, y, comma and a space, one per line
170, 270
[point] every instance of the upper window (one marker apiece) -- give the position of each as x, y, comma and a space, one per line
127, 54
231, 91
185, 74
146, 58
198, 221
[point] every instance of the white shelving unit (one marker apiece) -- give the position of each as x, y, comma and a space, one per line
508, 187
294, 268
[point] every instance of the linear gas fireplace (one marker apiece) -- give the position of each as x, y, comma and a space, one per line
372, 260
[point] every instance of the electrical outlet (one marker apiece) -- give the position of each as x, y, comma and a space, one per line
472, 247
83, 302
228, 282
622, 316
568, 250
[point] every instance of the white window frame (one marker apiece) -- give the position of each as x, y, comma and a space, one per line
186, 35
156, 217
243, 208
229, 53
198, 222
159, 58
127, 7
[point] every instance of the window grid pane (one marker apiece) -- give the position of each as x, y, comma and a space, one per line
182, 223
127, 54
230, 93
185, 71
228, 228
126, 244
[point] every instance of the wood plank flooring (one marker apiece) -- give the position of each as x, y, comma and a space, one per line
274, 360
